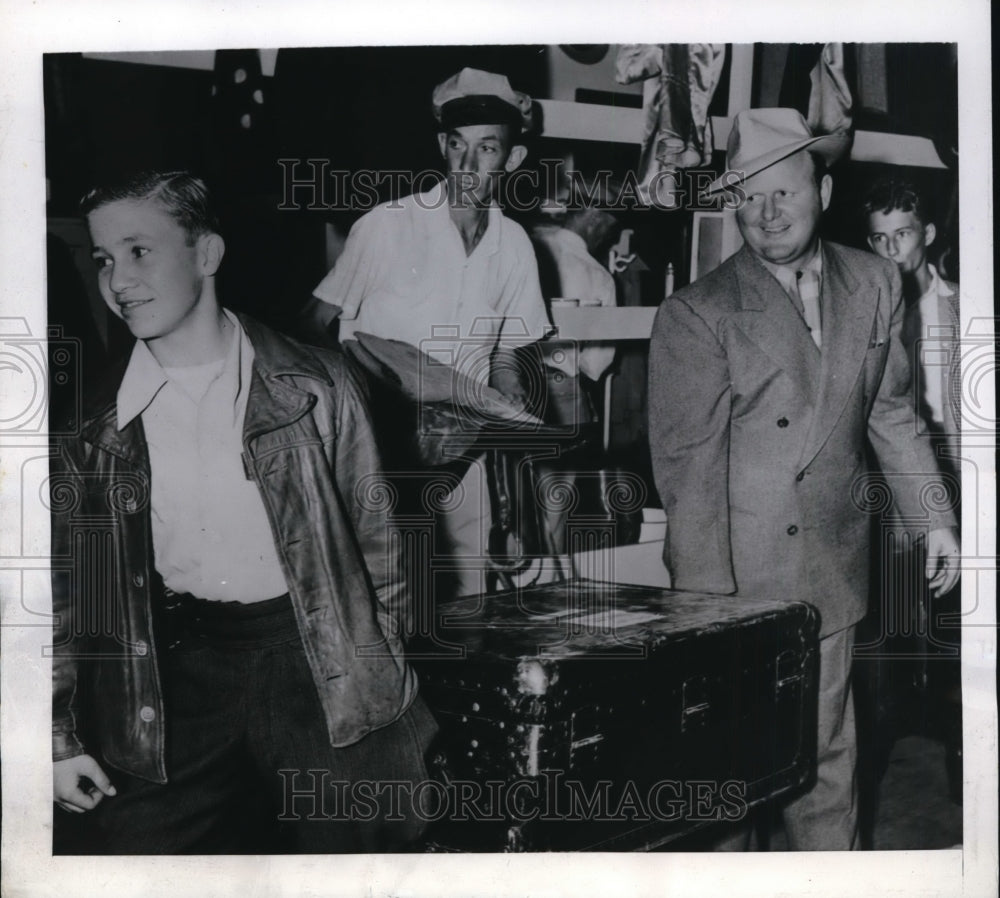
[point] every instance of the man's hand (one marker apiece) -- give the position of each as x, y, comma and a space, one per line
73, 795
516, 399
507, 378
942, 560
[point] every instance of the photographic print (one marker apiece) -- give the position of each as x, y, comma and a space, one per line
495, 464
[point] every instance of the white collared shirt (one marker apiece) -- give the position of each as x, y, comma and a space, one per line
211, 536
926, 320
404, 275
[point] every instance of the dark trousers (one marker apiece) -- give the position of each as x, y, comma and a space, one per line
249, 762
908, 664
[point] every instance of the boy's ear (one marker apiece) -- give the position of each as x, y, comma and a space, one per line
930, 232
211, 249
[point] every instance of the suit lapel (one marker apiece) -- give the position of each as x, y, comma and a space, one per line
848, 312
768, 317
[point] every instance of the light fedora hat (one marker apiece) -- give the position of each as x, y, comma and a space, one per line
761, 137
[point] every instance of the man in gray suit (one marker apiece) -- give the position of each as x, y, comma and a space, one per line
768, 379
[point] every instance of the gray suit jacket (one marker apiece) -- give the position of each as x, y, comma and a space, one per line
758, 438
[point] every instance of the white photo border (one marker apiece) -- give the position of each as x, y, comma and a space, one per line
47, 26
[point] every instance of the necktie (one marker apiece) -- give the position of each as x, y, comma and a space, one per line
807, 288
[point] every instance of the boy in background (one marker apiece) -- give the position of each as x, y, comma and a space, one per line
899, 230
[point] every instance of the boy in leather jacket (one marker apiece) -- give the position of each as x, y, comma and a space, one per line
228, 668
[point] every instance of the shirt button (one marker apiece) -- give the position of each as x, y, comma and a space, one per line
141, 647
792, 530
782, 422
799, 476
147, 714
138, 580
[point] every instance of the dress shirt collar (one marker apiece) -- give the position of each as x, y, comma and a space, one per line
785, 275
436, 199
937, 286
144, 377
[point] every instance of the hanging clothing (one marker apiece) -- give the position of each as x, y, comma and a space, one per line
830, 96
680, 82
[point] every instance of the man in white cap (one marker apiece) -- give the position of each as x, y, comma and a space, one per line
447, 272
769, 378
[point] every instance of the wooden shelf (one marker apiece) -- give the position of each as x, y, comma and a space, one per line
608, 323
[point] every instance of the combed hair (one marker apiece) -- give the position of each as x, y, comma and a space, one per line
890, 194
183, 196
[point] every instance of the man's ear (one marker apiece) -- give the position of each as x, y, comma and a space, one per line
871, 243
442, 143
825, 191
516, 157
930, 232
211, 249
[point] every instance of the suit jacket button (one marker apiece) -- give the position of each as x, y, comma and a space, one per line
782, 422
792, 530
799, 476
138, 580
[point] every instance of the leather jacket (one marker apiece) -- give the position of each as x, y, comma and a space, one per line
308, 445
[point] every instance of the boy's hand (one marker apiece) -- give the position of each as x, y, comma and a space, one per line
943, 556
74, 793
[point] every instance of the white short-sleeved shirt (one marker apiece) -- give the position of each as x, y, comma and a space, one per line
404, 275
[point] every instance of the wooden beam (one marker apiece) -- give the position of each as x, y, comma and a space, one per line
613, 124
895, 149
586, 121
